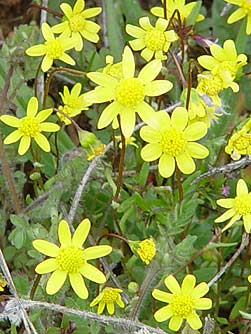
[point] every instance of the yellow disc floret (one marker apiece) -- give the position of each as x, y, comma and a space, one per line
77, 23
54, 49
182, 305
70, 259
242, 204
173, 142
155, 40
29, 126
146, 250
110, 295
130, 92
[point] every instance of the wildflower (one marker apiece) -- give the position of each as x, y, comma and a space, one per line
114, 70
244, 10
173, 141
30, 127
53, 48
74, 103
153, 41
210, 85
240, 142
76, 25
107, 298
238, 207
145, 249
225, 190
3, 283
171, 5
127, 95
183, 302
70, 259
224, 62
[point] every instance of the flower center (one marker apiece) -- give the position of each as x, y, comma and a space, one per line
54, 49
243, 142
242, 204
211, 86
227, 66
247, 6
146, 250
182, 306
77, 23
110, 296
74, 103
173, 142
29, 126
70, 259
130, 92
155, 40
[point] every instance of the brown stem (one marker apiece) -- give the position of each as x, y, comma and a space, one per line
112, 235
180, 71
165, 9
51, 11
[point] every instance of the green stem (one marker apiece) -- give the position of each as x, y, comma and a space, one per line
34, 286
180, 187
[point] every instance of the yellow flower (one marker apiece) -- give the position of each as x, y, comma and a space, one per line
172, 5
76, 25
173, 141
224, 62
53, 48
240, 142
238, 207
3, 282
183, 302
244, 10
128, 94
107, 298
153, 41
70, 259
114, 70
210, 85
145, 249
30, 127
74, 103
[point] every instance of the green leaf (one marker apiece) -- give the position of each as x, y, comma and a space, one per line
191, 19
237, 307
241, 39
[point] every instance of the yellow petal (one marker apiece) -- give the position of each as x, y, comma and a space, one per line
249, 278
127, 120
137, 44
91, 12
110, 308
163, 313
162, 296
43, 115
78, 41
46, 266
61, 27
92, 273
147, 54
81, 233
151, 152
145, 23
55, 282
49, 127
92, 27
100, 95
67, 10
161, 24
46, 63
188, 284
172, 284
96, 252
47, 32
32, 107
90, 36
226, 202
230, 50
175, 323
200, 290
24, 145
197, 151
108, 115
185, 163
247, 222
42, 142
150, 135
195, 131
135, 31
166, 165
64, 234
11, 121
78, 285
203, 304
179, 118
146, 113
158, 87
76, 90
218, 52
241, 188
248, 26
46, 248
194, 321
79, 6
128, 63
103, 79
101, 307
236, 15
150, 71
13, 137
207, 62
67, 59
225, 216
36, 50
231, 222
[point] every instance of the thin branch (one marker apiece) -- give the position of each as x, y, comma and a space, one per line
244, 243
228, 168
130, 325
